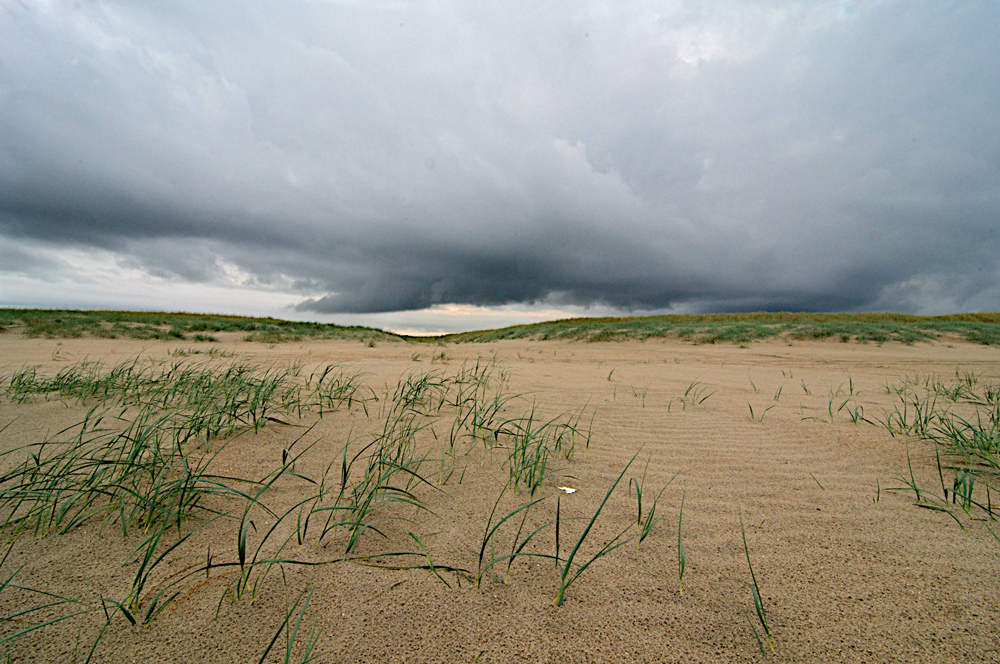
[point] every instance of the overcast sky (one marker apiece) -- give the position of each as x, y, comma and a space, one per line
451, 164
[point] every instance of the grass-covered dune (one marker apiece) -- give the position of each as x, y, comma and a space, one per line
983, 328
63, 323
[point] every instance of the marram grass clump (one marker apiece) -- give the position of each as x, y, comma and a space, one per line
141, 463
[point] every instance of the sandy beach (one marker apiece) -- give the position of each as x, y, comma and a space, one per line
847, 568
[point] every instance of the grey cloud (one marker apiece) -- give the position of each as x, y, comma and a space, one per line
732, 156
25, 261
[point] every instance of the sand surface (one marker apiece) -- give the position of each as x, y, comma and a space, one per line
848, 570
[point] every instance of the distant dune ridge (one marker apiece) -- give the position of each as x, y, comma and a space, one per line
981, 328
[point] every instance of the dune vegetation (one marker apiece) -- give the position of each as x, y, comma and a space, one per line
983, 328
63, 324
749, 327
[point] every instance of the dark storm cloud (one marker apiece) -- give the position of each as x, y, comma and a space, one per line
380, 157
